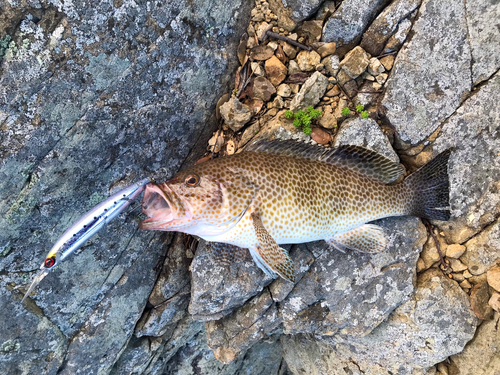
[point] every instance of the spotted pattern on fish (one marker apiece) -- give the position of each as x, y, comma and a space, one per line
300, 193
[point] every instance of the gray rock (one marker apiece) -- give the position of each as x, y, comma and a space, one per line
346, 26
93, 98
216, 290
434, 324
399, 37
365, 133
233, 335
431, 74
352, 293
235, 113
483, 250
293, 11
310, 93
483, 20
384, 26
331, 64
196, 358
475, 164
481, 355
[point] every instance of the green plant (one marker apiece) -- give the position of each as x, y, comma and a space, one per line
360, 108
346, 111
303, 119
365, 114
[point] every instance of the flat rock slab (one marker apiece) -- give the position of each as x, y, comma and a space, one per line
431, 74
435, 323
474, 167
483, 19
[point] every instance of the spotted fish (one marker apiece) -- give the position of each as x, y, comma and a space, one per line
285, 192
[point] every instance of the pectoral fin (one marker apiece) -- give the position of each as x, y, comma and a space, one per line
367, 238
274, 257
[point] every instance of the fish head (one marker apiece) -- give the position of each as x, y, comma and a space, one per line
207, 199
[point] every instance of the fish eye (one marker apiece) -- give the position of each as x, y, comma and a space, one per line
49, 262
192, 180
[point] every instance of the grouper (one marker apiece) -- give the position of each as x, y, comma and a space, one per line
276, 193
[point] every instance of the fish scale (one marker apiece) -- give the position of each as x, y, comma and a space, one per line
284, 192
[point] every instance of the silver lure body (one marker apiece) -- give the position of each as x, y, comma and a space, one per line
86, 227
93, 221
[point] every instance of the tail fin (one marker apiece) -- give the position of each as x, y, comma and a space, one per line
431, 188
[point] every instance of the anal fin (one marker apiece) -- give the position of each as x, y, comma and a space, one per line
367, 238
226, 254
274, 257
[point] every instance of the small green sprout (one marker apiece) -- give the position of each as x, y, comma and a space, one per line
346, 111
303, 119
365, 114
360, 108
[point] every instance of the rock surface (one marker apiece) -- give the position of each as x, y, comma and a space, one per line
345, 27
474, 167
406, 343
482, 355
94, 98
310, 93
365, 133
432, 72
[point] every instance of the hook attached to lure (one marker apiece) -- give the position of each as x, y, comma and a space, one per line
88, 225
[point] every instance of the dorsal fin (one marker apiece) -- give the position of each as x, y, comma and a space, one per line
356, 158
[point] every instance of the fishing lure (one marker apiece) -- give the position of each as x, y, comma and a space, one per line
86, 227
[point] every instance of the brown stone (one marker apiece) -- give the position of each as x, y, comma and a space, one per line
276, 70
456, 265
320, 136
455, 251
388, 61
493, 277
327, 49
311, 30
289, 50
351, 88
328, 119
261, 53
333, 92
235, 114
494, 301
479, 297
263, 89
355, 62
308, 60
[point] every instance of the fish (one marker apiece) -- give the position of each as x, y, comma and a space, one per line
276, 193
86, 227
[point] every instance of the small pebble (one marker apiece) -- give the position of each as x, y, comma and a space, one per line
458, 277
320, 136
455, 251
230, 147
456, 265
494, 301
493, 277
465, 285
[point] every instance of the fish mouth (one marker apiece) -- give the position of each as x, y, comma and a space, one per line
159, 205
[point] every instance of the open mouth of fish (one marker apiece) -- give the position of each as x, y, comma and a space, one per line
156, 205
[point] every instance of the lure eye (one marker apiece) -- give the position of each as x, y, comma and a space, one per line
49, 262
192, 180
